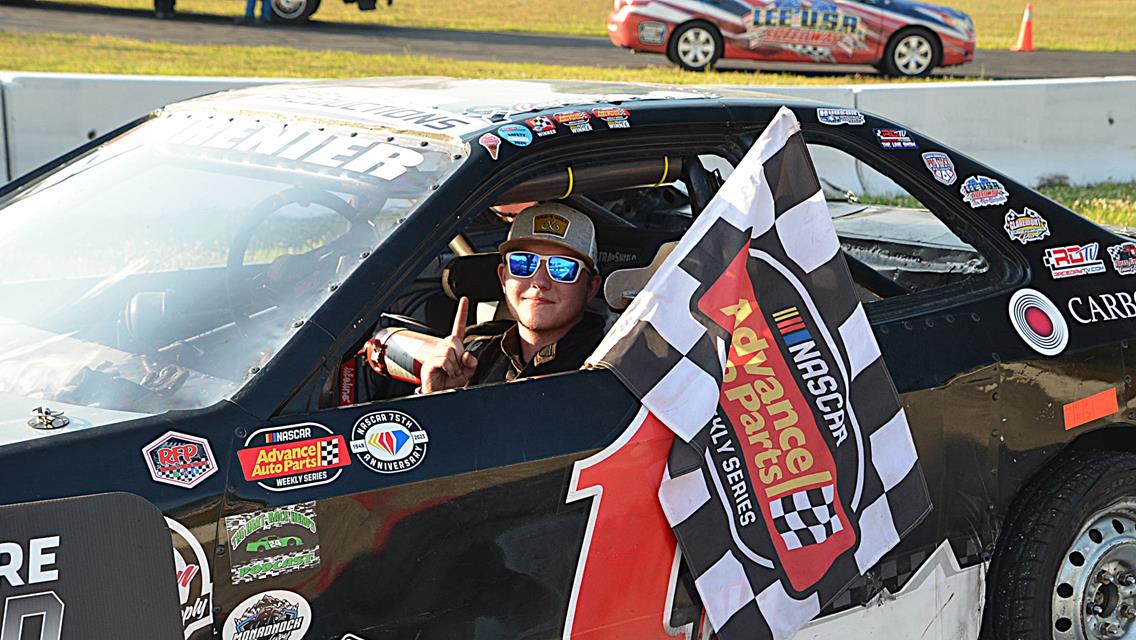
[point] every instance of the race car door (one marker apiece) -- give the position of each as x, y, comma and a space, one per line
455, 514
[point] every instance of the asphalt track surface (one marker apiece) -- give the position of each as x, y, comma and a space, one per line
48, 17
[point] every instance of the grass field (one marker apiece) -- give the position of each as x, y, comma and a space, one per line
1089, 25
1112, 203
102, 54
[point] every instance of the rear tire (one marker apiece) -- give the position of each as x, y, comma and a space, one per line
695, 46
911, 53
293, 10
1066, 560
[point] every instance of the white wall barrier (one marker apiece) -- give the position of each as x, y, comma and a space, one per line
1083, 128
48, 114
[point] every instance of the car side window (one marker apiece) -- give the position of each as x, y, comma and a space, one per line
895, 244
650, 206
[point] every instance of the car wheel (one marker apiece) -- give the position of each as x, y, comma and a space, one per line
695, 46
911, 53
1065, 567
293, 10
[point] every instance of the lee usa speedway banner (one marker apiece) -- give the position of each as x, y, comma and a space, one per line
794, 470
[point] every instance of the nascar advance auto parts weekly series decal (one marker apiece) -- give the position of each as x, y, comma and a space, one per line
271, 615
389, 442
179, 459
194, 579
293, 456
264, 544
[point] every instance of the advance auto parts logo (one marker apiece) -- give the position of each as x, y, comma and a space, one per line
389, 441
194, 582
1038, 321
272, 615
265, 544
293, 457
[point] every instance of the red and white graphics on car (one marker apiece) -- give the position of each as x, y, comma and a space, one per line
901, 37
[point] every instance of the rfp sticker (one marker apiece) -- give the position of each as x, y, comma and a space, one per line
179, 459
389, 442
293, 457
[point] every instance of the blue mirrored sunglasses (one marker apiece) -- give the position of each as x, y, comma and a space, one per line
523, 264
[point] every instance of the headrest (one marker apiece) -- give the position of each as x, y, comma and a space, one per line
473, 276
623, 285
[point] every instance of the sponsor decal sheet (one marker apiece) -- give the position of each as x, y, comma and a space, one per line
793, 470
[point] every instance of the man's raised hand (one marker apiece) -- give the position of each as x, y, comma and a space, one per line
450, 366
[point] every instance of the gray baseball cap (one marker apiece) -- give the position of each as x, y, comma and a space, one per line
557, 224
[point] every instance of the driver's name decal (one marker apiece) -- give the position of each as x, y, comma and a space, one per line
354, 153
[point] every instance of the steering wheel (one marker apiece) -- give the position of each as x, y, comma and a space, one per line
280, 280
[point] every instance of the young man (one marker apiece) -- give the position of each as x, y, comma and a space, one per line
548, 275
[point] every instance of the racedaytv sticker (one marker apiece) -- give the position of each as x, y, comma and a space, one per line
271, 615
265, 544
316, 147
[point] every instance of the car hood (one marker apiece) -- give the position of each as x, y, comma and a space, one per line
16, 410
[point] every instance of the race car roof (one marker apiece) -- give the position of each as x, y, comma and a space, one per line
436, 106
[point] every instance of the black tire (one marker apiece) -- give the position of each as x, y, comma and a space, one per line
695, 46
1075, 521
911, 53
293, 10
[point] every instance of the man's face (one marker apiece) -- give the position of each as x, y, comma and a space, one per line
540, 303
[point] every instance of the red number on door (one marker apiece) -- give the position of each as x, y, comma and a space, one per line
629, 562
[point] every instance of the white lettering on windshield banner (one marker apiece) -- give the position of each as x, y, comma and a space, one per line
362, 107
355, 153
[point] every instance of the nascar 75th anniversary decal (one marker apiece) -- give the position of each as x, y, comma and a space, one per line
389, 441
293, 456
264, 544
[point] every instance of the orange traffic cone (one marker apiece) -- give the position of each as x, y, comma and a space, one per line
1025, 35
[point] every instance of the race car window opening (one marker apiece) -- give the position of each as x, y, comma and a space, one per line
909, 233
184, 265
636, 204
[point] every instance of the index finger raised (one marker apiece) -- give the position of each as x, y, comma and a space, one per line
460, 318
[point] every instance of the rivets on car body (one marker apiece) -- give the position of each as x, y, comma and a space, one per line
254, 370
297, 324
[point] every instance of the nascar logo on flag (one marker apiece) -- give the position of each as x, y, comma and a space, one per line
794, 470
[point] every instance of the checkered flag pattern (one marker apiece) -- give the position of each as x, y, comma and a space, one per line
542, 122
329, 451
806, 517
807, 539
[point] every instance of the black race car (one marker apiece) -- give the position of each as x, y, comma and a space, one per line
183, 304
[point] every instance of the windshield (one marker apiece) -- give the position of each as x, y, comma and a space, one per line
157, 271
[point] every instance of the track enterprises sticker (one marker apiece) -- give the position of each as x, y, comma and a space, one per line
293, 456
264, 544
389, 442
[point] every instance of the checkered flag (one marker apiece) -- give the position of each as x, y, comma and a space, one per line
794, 470
329, 451
806, 517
